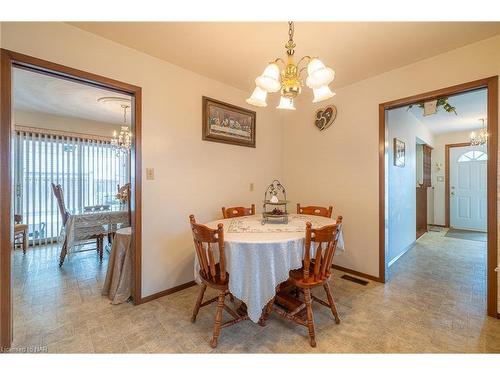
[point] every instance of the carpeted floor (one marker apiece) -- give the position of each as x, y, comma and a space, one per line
467, 235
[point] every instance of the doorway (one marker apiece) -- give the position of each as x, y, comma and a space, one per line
466, 186
71, 149
491, 85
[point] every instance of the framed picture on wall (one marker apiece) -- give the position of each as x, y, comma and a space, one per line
227, 123
399, 153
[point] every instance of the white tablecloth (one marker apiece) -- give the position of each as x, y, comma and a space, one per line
259, 257
84, 225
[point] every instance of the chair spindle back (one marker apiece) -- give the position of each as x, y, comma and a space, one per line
323, 258
204, 238
237, 211
58, 193
315, 210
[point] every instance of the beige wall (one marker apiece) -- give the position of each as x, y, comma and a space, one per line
438, 156
344, 157
348, 151
192, 176
62, 123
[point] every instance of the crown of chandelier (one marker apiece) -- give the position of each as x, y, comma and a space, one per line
481, 137
288, 81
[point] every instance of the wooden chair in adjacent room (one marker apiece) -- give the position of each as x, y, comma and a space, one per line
58, 193
212, 274
20, 233
237, 211
315, 210
316, 271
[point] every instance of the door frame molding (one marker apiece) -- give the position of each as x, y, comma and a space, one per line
491, 83
9, 60
447, 180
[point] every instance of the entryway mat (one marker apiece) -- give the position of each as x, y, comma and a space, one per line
467, 235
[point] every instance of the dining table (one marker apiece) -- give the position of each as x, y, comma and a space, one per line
88, 222
259, 255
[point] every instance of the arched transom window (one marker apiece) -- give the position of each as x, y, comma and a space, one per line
472, 156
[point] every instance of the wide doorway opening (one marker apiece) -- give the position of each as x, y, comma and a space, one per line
440, 197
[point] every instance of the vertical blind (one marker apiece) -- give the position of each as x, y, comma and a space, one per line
88, 169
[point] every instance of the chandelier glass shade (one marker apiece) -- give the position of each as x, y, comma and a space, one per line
481, 137
288, 80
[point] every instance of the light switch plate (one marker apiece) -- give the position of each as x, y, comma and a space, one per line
150, 174
251, 186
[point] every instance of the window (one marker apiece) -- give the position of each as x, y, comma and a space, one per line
472, 156
88, 170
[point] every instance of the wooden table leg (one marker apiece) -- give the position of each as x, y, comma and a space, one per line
242, 309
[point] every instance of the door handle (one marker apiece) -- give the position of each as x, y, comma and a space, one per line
452, 193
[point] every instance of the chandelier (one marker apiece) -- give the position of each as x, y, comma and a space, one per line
288, 81
123, 141
481, 137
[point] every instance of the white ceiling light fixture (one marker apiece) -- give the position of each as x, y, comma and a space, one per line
481, 138
121, 142
288, 81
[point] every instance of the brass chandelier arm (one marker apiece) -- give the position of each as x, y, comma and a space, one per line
309, 58
279, 59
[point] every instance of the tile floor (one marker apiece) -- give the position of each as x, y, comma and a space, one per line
434, 302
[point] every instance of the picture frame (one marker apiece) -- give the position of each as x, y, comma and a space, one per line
226, 123
399, 151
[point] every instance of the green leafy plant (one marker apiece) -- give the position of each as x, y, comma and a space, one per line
441, 102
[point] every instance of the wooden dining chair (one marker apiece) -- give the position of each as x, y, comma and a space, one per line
59, 194
315, 210
213, 274
237, 211
20, 233
316, 271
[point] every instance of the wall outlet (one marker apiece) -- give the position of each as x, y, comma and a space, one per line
251, 186
150, 173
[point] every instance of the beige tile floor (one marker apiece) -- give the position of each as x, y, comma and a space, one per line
434, 302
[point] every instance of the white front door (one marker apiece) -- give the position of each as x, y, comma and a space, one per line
468, 193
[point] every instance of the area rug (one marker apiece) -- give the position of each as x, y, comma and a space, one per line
467, 235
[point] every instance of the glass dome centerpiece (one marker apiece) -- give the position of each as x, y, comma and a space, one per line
275, 204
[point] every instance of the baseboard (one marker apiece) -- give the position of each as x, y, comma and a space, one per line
401, 254
357, 273
437, 225
168, 291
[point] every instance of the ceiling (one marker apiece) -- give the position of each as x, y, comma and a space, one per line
37, 92
470, 107
237, 52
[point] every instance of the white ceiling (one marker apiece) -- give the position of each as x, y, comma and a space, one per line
470, 107
37, 92
237, 52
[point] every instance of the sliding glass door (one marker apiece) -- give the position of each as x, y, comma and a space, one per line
88, 169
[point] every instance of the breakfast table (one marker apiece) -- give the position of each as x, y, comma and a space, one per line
83, 224
259, 256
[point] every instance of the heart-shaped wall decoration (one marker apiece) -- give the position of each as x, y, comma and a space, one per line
325, 117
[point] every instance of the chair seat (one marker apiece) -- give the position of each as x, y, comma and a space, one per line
216, 282
296, 278
18, 228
